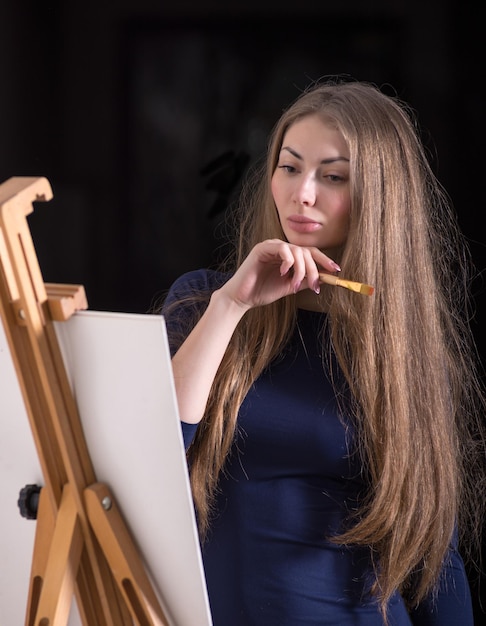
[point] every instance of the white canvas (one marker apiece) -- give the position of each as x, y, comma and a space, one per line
119, 367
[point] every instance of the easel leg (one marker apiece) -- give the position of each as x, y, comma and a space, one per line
57, 588
90, 608
105, 608
123, 556
44, 530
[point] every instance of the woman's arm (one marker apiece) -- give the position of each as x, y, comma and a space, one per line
196, 362
273, 269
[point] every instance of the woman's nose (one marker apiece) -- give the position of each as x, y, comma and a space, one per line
307, 191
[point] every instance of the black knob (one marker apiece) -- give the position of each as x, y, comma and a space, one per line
29, 501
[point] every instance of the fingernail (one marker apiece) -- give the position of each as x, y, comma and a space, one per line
335, 266
317, 287
297, 286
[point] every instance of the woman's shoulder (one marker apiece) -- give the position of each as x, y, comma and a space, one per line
186, 300
195, 285
198, 281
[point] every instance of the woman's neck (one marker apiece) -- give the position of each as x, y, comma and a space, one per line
311, 301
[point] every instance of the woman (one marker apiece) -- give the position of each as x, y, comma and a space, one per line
333, 437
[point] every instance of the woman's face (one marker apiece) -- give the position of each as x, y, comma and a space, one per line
310, 185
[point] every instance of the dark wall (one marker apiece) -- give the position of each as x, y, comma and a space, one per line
123, 105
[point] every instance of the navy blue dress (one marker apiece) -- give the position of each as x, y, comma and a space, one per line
291, 482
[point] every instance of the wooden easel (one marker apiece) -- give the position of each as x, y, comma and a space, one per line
82, 545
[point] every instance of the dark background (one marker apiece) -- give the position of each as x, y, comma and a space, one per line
122, 105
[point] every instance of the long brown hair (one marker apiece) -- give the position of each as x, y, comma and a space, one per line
407, 353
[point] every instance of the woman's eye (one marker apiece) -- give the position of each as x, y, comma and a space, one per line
287, 168
334, 178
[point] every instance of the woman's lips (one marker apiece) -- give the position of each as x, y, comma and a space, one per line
303, 224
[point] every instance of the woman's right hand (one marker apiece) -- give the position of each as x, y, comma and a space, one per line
275, 269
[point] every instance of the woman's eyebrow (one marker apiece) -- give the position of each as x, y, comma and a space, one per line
323, 162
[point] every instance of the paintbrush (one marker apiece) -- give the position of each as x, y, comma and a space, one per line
330, 279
